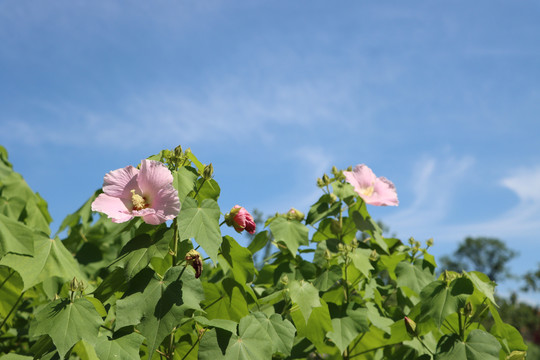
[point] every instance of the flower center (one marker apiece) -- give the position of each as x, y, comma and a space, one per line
368, 191
138, 201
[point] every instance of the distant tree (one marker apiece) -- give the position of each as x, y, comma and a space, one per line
532, 280
487, 255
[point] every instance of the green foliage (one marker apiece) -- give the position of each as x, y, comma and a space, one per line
128, 291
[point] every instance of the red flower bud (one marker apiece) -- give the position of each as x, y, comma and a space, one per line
240, 219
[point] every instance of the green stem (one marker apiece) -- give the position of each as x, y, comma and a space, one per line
369, 350
11, 311
213, 302
461, 335
424, 345
193, 346
171, 345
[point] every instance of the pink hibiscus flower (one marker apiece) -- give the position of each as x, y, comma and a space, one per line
241, 219
148, 193
374, 190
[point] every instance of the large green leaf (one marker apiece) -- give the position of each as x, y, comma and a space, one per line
414, 276
479, 345
346, 329
281, 332
225, 300
184, 180
316, 328
122, 348
161, 305
258, 242
290, 232
440, 299
366, 224
483, 284
16, 238
328, 278
251, 343
202, 223
239, 259
324, 207
208, 189
67, 322
50, 259
305, 295
360, 259
137, 254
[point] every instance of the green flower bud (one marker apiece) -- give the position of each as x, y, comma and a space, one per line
429, 242
178, 152
320, 183
374, 255
412, 241
294, 214
208, 172
326, 179
335, 171
335, 226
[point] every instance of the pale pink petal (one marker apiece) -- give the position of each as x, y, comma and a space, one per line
113, 207
364, 176
118, 183
166, 203
153, 176
385, 193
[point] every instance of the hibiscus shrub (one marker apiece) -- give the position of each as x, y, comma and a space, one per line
130, 280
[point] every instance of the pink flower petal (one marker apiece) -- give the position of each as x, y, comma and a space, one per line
166, 203
113, 207
153, 177
374, 191
118, 183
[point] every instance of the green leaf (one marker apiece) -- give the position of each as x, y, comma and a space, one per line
360, 259
328, 278
161, 305
137, 254
16, 238
345, 331
258, 242
13, 356
479, 345
305, 295
366, 224
252, 341
377, 320
281, 332
122, 348
225, 300
67, 323
343, 190
10, 290
239, 259
209, 190
224, 324
202, 223
184, 181
440, 300
316, 328
290, 232
414, 276
483, 284
50, 259
324, 207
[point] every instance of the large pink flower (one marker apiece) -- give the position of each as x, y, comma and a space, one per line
374, 190
240, 219
148, 192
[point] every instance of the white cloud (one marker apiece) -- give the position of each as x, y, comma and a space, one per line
525, 183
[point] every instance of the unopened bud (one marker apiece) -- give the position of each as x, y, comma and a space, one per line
349, 168
374, 255
73, 284
468, 309
411, 241
284, 279
429, 242
333, 197
335, 171
178, 151
327, 254
410, 325
320, 183
326, 179
294, 214
208, 172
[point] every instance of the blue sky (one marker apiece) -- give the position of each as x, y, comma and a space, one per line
442, 98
